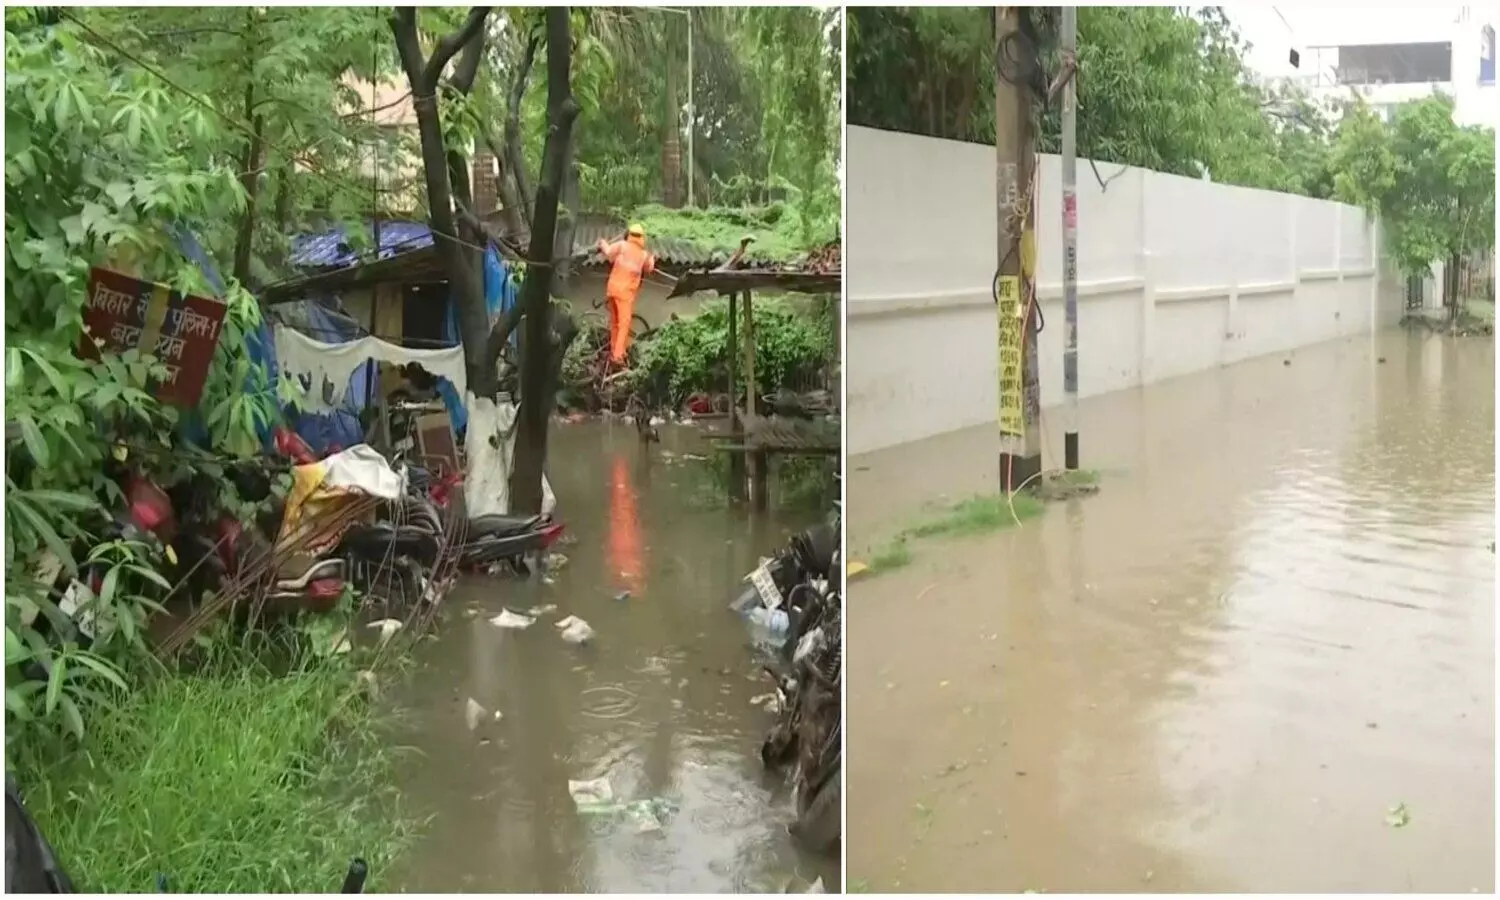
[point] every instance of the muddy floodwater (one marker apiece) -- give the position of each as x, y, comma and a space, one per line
659, 704
1262, 659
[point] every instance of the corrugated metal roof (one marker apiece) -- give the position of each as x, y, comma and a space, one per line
331, 250
589, 231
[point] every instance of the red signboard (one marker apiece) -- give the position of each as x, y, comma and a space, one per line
182, 330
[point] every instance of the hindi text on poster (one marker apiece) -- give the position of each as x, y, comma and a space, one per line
1011, 360
183, 330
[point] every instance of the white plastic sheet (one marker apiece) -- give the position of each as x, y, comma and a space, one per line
491, 445
301, 356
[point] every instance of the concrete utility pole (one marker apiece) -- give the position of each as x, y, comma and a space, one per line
1070, 231
1015, 167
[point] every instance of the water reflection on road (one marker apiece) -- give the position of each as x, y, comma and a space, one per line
1274, 624
659, 704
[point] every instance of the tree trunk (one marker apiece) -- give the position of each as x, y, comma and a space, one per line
1450, 286
510, 196
567, 224
536, 402
671, 145
464, 286
249, 180
249, 163
283, 204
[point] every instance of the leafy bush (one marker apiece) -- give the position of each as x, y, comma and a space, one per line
690, 355
102, 167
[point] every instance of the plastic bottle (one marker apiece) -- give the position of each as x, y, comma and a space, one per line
773, 620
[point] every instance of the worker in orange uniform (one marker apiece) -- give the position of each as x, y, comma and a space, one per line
630, 262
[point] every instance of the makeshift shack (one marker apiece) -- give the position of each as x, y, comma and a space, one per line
754, 431
361, 332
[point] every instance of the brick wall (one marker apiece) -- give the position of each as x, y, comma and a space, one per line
485, 176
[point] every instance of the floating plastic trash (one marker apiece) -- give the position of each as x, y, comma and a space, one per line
508, 619
576, 630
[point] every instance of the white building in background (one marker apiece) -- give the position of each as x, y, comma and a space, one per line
1390, 58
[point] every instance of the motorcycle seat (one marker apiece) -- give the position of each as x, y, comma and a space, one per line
497, 525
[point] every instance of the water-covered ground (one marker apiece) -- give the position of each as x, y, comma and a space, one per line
1262, 659
659, 704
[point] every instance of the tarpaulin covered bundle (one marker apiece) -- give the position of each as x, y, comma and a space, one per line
320, 506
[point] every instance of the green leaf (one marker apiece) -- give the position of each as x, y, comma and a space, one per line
36, 445
55, 681
108, 588
72, 718
151, 575
53, 376
62, 112
63, 500
120, 194
15, 651
101, 668
42, 529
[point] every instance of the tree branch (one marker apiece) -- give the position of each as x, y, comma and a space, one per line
468, 64
537, 384
375, 109
510, 194
515, 159
449, 45
409, 47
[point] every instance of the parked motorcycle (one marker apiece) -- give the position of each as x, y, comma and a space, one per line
516, 540
795, 596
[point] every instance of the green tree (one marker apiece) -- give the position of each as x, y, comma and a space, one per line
1158, 87
103, 166
1431, 181
273, 86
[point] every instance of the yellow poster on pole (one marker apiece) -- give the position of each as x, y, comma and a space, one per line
1012, 331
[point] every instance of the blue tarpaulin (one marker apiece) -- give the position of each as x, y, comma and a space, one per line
499, 296
258, 344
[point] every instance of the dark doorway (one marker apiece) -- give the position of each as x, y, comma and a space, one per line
424, 310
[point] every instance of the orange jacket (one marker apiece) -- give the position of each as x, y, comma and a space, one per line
631, 263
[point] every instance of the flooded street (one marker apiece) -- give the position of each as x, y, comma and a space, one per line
659, 703
1261, 659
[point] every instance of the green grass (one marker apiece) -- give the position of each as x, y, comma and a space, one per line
977, 515
776, 228
980, 515
894, 556
234, 781
1077, 476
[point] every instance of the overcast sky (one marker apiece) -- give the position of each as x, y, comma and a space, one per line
1274, 30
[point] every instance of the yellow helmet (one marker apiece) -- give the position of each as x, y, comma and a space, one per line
637, 230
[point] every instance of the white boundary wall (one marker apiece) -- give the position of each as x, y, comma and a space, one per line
1176, 276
